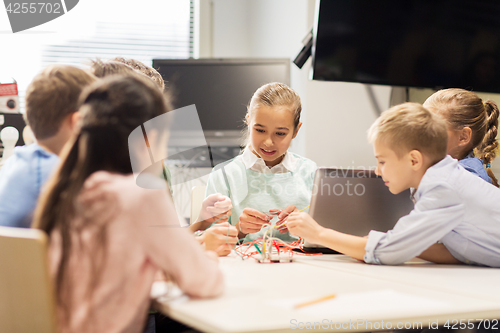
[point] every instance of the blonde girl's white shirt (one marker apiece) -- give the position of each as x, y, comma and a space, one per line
257, 164
251, 184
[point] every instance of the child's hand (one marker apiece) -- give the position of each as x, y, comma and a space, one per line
251, 220
96, 201
221, 238
214, 207
160, 276
303, 225
282, 215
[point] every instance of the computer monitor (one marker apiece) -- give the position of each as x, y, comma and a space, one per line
221, 90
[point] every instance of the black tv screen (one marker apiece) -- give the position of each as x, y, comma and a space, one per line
413, 43
220, 88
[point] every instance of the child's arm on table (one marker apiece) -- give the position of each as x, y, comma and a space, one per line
303, 225
439, 254
172, 248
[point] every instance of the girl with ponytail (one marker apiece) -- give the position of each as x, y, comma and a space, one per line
472, 129
104, 266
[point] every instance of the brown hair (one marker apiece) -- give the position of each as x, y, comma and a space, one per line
463, 108
410, 126
111, 109
103, 68
144, 69
274, 94
53, 95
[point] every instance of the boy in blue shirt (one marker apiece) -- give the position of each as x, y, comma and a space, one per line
51, 105
456, 218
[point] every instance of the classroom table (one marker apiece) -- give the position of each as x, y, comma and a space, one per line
478, 282
416, 295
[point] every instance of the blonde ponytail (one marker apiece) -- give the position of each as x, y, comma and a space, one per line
487, 149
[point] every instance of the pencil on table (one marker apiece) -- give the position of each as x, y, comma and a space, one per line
314, 301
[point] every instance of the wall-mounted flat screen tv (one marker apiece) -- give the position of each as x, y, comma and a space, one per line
412, 43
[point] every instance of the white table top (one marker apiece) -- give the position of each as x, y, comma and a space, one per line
477, 282
261, 297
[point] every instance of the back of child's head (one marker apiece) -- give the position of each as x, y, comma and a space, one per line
276, 94
144, 69
410, 126
462, 108
110, 109
103, 68
52, 96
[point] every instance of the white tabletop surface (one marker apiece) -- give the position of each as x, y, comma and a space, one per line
477, 282
261, 297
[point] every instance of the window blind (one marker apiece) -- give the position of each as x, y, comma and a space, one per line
155, 30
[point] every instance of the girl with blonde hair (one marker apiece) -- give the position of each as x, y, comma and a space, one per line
472, 129
266, 181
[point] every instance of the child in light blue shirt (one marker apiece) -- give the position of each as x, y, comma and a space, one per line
51, 113
266, 182
472, 129
21, 180
456, 218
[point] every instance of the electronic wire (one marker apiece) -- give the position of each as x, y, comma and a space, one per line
251, 249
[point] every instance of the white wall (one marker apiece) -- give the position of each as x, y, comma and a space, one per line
252, 29
340, 115
230, 28
263, 29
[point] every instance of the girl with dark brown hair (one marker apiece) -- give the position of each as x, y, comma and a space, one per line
104, 264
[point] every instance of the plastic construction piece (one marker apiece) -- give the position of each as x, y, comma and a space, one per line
275, 261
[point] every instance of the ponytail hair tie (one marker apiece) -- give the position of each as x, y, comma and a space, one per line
488, 165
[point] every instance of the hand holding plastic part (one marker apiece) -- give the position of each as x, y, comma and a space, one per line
220, 238
301, 224
282, 215
214, 207
252, 220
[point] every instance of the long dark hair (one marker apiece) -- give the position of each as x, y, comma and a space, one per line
110, 109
